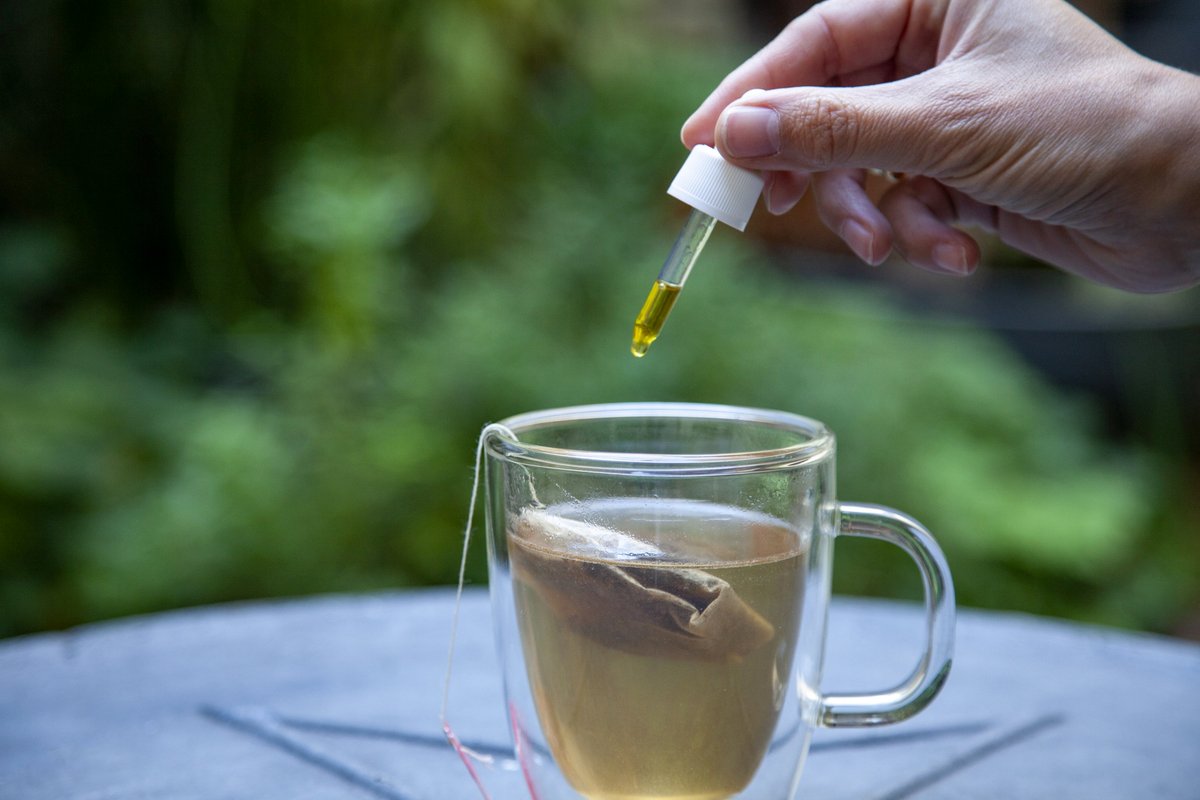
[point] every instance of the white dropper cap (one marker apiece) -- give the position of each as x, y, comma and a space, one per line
711, 184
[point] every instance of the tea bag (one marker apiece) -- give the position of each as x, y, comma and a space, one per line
653, 609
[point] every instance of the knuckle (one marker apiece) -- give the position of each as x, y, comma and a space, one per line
826, 131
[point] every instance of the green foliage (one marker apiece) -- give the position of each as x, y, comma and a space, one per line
396, 222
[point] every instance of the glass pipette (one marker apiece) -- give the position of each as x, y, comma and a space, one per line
670, 281
716, 190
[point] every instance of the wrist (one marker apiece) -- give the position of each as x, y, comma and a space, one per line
1166, 156
1186, 167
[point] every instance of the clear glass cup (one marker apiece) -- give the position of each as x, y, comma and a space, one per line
660, 581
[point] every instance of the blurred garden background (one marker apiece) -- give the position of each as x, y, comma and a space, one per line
266, 268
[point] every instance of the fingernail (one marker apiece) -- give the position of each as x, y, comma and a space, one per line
951, 258
779, 203
687, 124
775, 203
751, 132
860, 240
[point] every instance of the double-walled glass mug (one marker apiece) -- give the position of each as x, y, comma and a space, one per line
660, 580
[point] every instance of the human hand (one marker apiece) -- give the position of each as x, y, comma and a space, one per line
1019, 116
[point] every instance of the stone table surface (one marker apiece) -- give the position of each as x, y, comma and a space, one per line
338, 697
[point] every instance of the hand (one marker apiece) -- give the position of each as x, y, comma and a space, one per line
1019, 116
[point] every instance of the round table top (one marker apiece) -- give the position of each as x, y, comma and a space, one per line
338, 697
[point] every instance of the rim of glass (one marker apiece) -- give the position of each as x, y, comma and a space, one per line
503, 440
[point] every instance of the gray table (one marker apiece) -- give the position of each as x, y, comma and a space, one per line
338, 698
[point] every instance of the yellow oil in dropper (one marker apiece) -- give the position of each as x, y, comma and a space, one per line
671, 277
654, 313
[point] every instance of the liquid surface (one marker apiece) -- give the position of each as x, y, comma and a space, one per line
654, 313
658, 673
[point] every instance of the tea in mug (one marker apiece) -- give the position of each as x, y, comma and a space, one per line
658, 639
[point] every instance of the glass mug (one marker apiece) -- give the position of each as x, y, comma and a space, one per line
660, 580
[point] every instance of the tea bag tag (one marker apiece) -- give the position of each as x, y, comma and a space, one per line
467, 755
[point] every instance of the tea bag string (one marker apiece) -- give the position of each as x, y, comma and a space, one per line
465, 753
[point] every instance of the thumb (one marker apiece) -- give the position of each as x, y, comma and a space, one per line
894, 126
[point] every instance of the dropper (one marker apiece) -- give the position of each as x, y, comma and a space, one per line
716, 190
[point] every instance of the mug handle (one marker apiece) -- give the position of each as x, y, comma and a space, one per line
927, 678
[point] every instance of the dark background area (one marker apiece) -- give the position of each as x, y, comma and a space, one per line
267, 267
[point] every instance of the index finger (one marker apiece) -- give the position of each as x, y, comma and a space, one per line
831, 39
